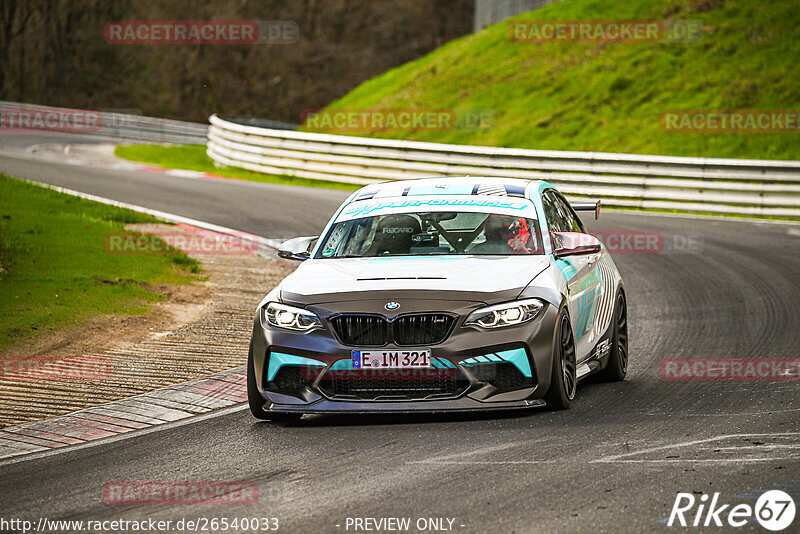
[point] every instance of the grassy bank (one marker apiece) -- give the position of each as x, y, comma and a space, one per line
194, 158
604, 96
56, 271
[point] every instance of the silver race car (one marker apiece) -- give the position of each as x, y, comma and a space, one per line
440, 295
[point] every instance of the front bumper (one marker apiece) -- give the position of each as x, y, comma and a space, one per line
475, 369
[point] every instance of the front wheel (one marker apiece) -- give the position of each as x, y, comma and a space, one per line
256, 401
564, 375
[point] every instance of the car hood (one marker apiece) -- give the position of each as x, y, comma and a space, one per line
487, 279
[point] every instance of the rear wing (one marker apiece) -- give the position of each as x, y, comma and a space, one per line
587, 206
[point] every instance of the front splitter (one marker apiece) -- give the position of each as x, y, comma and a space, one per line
463, 404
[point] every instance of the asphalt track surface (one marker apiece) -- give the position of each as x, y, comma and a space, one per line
614, 462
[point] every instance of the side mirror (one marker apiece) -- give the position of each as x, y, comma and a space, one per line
574, 244
298, 249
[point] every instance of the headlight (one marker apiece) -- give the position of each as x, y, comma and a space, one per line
508, 314
290, 318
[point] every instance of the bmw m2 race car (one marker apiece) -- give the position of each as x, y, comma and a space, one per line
440, 295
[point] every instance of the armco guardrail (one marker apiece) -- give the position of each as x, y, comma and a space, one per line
724, 186
103, 123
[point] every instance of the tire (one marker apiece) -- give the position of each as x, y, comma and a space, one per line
564, 376
256, 401
617, 366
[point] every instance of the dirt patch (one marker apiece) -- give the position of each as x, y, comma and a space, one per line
199, 329
183, 304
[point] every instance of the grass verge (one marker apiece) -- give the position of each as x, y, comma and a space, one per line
194, 158
606, 96
55, 270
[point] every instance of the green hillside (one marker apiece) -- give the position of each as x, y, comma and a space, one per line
607, 96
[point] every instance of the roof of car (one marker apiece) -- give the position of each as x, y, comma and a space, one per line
450, 185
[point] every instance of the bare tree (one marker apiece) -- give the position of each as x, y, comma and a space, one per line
14, 15
59, 56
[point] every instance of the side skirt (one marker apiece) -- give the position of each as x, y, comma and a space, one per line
599, 355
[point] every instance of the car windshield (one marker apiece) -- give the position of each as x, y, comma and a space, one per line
436, 233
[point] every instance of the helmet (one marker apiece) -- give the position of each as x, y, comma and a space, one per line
507, 227
513, 230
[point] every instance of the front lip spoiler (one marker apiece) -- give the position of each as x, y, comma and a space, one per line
459, 405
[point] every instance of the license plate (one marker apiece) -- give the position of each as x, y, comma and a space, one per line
392, 359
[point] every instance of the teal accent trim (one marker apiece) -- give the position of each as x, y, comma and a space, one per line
447, 363
587, 302
359, 209
567, 268
279, 359
545, 185
519, 357
537, 201
438, 364
342, 365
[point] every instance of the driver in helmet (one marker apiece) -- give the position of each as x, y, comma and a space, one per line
505, 234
